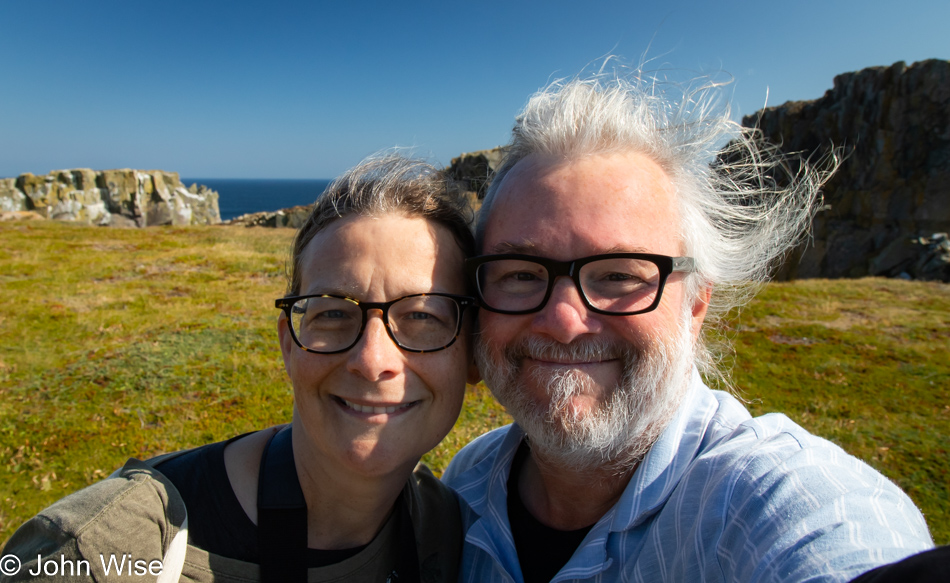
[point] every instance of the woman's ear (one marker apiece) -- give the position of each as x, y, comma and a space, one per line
286, 340
474, 376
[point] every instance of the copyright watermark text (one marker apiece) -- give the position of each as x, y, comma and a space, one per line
117, 565
9, 565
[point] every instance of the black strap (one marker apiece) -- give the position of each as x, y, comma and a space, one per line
281, 514
407, 560
282, 520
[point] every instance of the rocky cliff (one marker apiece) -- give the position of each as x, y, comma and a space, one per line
127, 198
892, 191
293, 217
471, 171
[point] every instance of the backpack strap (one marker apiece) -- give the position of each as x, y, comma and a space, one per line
282, 519
281, 513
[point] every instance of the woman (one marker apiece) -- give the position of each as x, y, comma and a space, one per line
374, 333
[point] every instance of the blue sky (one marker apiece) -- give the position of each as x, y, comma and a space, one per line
306, 89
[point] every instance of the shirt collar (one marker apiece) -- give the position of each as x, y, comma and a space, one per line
651, 485
661, 470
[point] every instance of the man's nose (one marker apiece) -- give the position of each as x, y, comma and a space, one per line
565, 317
375, 357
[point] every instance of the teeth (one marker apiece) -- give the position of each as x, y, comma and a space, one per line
374, 410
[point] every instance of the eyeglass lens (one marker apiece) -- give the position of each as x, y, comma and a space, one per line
612, 285
418, 323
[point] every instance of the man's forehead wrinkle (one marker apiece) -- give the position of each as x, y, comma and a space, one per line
608, 203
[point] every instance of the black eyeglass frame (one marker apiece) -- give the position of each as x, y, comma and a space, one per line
287, 303
667, 265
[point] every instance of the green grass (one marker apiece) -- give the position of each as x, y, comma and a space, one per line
120, 343
865, 364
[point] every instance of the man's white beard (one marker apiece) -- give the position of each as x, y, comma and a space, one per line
616, 435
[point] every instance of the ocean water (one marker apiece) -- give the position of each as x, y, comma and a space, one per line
239, 196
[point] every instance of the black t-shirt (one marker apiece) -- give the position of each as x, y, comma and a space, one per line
216, 521
931, 566
542, 550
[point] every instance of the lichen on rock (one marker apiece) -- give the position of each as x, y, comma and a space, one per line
124, 198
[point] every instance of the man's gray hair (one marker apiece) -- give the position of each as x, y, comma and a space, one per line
743, 205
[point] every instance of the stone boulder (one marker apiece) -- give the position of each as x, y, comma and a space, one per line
127, 198
20, 216
893, 127
915, 258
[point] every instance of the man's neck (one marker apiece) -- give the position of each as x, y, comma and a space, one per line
568, 499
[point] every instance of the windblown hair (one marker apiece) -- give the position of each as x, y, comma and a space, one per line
743, 204
382, 185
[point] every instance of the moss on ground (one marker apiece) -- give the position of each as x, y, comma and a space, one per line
118, 343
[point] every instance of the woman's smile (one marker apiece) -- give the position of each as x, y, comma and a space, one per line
375, 409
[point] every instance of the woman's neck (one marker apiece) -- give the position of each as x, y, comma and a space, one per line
344, 509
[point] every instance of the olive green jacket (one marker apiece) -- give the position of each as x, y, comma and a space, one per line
135, 514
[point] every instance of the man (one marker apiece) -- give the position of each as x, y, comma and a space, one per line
609, 243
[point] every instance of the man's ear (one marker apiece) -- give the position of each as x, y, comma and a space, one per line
700, 305
470, 329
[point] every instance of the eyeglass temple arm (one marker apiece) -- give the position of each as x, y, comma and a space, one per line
284, 303
684, 264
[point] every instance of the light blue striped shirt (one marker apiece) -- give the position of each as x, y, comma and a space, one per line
720, 497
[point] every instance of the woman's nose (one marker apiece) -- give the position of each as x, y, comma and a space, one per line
375, 357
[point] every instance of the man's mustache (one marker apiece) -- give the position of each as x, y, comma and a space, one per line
578, 351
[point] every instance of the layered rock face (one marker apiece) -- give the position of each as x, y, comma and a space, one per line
126, 198
892, 191
293, 217
472, 171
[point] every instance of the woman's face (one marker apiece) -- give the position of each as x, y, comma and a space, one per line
376, 260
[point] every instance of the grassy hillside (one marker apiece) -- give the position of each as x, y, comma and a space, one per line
129, 343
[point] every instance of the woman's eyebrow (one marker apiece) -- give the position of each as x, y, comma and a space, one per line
332, 289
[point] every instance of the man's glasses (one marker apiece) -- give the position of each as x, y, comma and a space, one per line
328, 324
618, 284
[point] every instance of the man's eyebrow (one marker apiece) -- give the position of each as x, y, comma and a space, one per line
529, 248
627, 250
523, 248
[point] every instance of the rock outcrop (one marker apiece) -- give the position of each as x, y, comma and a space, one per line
893, 187
125, 198
472, 171
293, 217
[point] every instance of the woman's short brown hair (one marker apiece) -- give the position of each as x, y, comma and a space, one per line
387, 184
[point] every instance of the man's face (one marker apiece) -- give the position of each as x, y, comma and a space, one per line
565, 366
